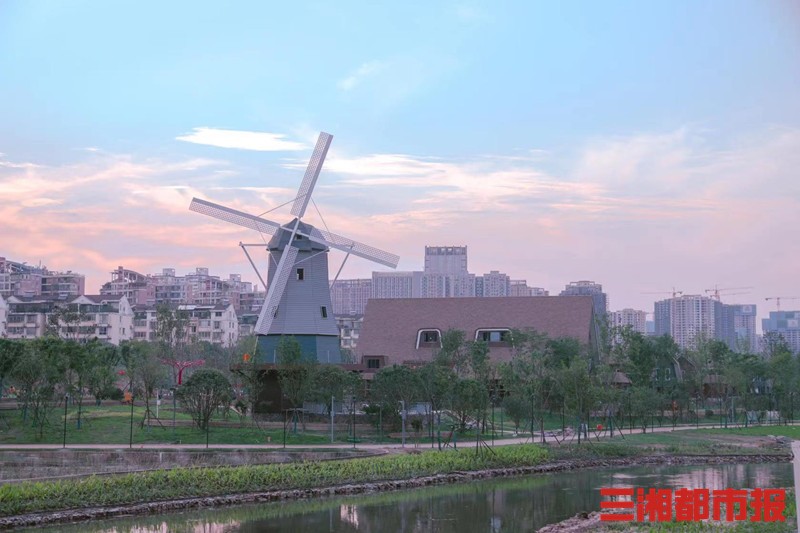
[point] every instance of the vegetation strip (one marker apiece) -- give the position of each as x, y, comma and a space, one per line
302, 480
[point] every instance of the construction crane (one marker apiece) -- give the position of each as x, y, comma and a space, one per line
779, 298
674, 293
716, 290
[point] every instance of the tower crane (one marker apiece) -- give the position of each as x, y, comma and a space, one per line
779, 298
716, 290
674, 293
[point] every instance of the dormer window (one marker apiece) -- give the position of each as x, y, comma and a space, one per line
429, 338
494, 336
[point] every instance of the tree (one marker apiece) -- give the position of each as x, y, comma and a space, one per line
10, 352
172, 335
452, 353
206, 390
145, 372
637, 355
65, 321
469, 399
393, 384
435, 383
79, 368
642, 402
528, 377
102, 378
580, 395
295, 371
37, 374
332, 382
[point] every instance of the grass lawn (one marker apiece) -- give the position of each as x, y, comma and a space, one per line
112, 425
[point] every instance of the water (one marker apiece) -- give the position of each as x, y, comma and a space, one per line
510, 504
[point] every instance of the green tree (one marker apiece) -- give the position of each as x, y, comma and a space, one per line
145, 372
528, 377
101, 380
578, 389
10, 352
453, 353
642, 403
206, 390
469, 399
393, 384
637, 355
172, 335
295, 372
38, 374
435, 385
333, 382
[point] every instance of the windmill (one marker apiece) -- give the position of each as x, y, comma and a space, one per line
298, 300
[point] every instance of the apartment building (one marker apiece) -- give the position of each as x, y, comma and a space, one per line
633, 318
786, 324
216, 324
87, 317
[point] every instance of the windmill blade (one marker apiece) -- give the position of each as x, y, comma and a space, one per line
232, 215
354, 247
312, 173
275, 292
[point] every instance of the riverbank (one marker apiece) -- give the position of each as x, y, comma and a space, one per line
308, 480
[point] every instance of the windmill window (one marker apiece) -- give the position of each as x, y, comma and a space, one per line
300, 274
324, 311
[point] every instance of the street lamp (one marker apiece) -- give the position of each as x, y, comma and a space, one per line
403, 420
130, 443
174, 411
66, 401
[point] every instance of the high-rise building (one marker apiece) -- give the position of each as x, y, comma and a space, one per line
395, 284
637, 320
786, 324
738, 328
495, 284
446, 259
349, 296
688, 318
589, 288
519, 287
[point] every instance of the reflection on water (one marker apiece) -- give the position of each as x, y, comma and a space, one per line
513, 504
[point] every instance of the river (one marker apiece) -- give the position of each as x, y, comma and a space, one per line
508, 504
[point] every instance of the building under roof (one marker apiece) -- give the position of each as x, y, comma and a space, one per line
409, 330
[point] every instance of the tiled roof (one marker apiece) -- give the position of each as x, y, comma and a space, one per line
391, 325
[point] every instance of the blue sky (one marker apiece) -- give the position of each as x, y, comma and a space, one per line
641, 144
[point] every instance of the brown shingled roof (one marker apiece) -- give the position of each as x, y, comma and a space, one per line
391, 325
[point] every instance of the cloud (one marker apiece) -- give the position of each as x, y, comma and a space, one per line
383, 84
243, 140
362, 73
681, 207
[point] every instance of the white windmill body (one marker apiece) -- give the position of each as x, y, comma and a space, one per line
298, 301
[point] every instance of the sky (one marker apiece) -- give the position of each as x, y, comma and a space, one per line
643, 145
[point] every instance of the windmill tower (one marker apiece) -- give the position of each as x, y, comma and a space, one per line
298, 301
